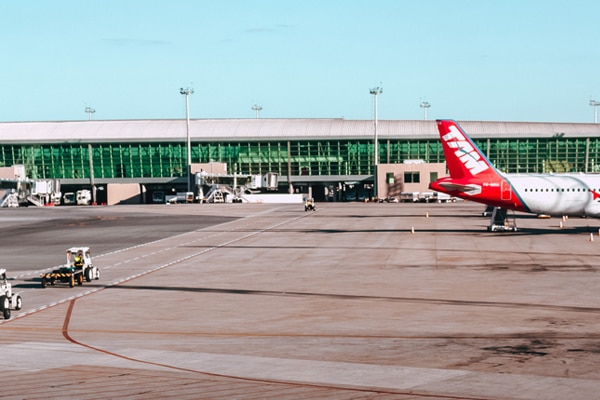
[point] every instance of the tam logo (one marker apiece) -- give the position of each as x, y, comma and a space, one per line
465, 152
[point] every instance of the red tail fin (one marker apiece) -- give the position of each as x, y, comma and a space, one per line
463, 157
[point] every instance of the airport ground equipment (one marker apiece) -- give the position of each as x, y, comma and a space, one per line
8, 300
83, 197
411, 197
309, 204
73, 271
501, 221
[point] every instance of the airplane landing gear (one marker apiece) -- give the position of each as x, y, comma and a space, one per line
500, 221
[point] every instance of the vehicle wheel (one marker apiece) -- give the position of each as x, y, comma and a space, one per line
88, 275
97, 274
18, 303
80, 279
44, 283
5, 307
72, 281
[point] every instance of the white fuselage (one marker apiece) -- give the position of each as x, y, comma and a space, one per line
561, 194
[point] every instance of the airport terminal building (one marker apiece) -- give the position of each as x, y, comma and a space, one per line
329, 156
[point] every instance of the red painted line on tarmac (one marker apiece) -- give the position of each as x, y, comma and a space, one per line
67, 336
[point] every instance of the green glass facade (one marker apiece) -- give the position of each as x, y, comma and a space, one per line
315, 158
544, 155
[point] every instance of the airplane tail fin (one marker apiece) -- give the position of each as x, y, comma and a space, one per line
463, 157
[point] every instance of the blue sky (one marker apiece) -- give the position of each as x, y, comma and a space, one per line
509, 60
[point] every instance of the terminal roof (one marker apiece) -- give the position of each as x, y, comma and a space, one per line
96, 131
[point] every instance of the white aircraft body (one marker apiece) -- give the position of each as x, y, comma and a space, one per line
473, 177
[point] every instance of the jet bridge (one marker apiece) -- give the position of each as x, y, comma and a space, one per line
18, 192
219, 188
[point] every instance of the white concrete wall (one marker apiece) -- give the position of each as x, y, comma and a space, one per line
274, 198
123, 193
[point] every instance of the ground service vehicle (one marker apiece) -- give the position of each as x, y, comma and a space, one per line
8, 300
158, 197
309, 204
78, 267
69, 199
411, 197
84, 197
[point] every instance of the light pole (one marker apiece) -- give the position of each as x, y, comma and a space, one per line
90, 111
375, 92
425, 105
257, 109
595, 104
186, 92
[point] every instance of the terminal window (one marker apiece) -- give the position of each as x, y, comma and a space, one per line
412, 177
389, 178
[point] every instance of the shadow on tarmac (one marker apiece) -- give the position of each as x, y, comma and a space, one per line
251, 292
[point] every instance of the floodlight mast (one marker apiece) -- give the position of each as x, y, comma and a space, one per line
375, 92
257, 109
90, 111
425, 105
595, 104
186, 92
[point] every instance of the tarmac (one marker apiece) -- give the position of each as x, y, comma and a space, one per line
267, 301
